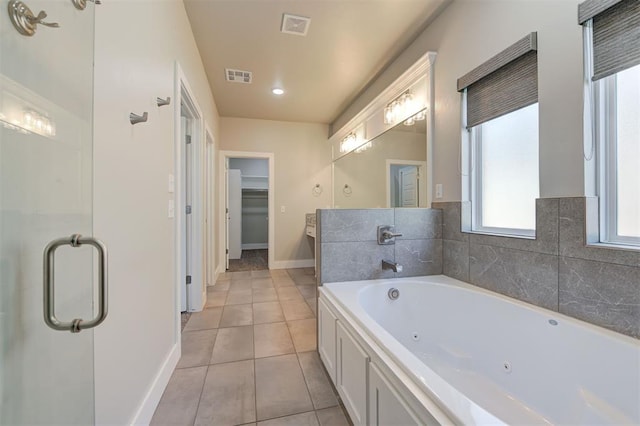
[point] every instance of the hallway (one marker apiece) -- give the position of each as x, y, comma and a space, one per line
251, 356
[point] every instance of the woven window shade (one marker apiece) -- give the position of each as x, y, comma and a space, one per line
505, 83
616, 35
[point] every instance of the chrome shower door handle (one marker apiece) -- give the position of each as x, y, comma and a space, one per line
78, 324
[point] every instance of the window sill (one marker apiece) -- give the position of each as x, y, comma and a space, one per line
502, 234
613, 246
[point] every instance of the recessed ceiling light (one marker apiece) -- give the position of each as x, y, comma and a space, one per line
277, 91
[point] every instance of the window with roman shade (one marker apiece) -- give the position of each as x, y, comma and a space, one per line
500, 98
612, 105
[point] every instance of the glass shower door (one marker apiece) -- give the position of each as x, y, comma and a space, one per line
46, 126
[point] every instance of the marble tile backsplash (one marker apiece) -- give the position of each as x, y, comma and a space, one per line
347, 248
558, 270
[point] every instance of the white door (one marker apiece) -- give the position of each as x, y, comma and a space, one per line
46, 168
234, 191
409, 186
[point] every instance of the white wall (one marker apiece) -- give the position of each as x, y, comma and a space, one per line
468, 33
302, 159
250, 166
136, 45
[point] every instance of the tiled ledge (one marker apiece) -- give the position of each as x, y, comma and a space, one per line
557, 270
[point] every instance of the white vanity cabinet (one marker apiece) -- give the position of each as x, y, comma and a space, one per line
352, 362
327, 338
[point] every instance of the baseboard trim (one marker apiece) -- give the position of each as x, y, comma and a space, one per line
152, 398
255, 246
286, 264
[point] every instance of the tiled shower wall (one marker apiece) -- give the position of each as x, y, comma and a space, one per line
557, 270
347, 247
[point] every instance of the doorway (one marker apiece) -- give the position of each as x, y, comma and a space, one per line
248, 210
191, 208
406, 186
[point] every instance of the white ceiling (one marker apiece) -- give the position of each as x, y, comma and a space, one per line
348, 43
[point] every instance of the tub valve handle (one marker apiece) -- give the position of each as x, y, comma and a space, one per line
386, 235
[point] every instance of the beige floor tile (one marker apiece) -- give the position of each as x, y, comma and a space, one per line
267, 312
304, 419
295, 309
282, 282
307, 291
313, 304
280, 387
265, 273
219, 286
224, 276
278, 273
236, 315
228, 395
215, 299
264, 295
241, 284
240, 275
304, 279
239, 297
262, 283
289, 293
179, 402
206, 319
303, 333
333, 416
318, 383
196, 348
272, 339
233, 344
300, 271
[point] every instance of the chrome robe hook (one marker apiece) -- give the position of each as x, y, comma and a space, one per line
24, 20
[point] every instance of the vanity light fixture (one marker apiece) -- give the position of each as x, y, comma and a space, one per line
349, 142
418, 117
277, 91
31, 122
398, 108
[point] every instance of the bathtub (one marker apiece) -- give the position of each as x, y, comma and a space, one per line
482, 358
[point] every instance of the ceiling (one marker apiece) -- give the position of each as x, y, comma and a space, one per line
348, 43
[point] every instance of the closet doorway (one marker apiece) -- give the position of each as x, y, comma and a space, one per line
248, 188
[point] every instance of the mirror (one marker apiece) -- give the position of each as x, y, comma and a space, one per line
388, 171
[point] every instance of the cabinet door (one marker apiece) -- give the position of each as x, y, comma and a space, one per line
327, 338
386, 406
351, 377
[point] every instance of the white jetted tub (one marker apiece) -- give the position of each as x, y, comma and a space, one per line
482, 358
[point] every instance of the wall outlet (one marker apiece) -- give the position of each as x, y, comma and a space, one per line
282, 209
171, 210
438, 190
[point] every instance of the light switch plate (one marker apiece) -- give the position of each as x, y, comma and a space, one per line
171, 210
438, 190
172, 184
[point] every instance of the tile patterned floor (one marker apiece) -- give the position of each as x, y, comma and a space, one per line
250, 357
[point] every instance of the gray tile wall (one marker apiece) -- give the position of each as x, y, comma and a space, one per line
556, 270
347, 248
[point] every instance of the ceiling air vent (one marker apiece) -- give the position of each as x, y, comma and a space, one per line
238, 76
292, 24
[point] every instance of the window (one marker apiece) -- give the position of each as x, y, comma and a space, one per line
501, 119
505, 173
619, 150
612, 67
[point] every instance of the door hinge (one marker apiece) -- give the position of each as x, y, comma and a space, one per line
227, 210
188, 139
226, 251
188, 209
188, 279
